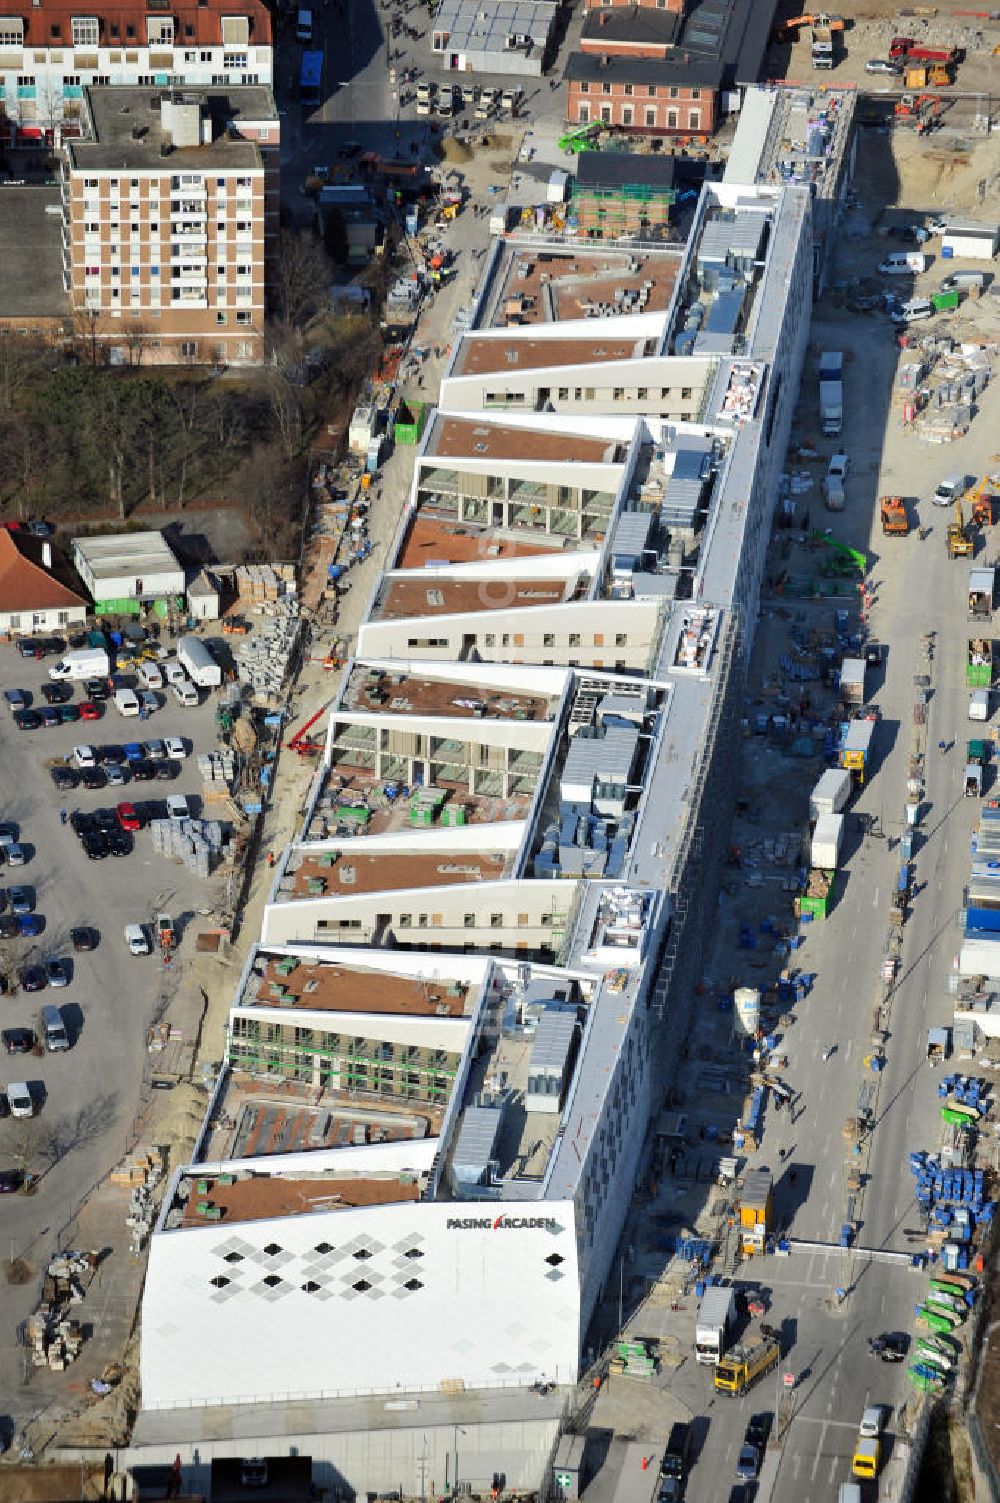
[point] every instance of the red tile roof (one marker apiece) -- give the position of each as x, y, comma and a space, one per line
195, 25
25, 583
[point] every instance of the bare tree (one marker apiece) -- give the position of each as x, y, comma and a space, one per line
138, 338
21, 357
86, 325
302, 275
286, 412
187, 402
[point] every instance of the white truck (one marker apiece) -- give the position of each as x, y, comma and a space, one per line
833, 481
84, 662
831, 392
831, 793
716, 1319
201, 667
827, 838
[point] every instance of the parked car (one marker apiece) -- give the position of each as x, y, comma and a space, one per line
27, 720
155, 750
119, 843
84, 937
68, 714
29, 648
11, 850
57, 971
93, 777
176, 749
143, 772
890, 1346
117, 775
10, 1180
128, 818
22, 900
748, 1464
29, 924
883, 65
57, 694
951, 489
165, 769
17, 699
137, 939
18, 1040
178, 806
96, 846
19, 1098
33, 978
97, 688
65, 778
134, 751
148, 702
111, 752
84, 756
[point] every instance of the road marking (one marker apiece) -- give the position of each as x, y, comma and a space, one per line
819, 1453
814, 1419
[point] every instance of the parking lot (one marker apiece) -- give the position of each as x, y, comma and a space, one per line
85, 1100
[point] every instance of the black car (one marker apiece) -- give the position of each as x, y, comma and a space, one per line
18, 1040
65, 778
84, 937
50, 717
33, 978
52, 644
120, 843
10, 1180
93, 777
56, 694
82, 823
96, 846
143, 772
757, 1431
891, 1346
166, 769
97, 688
110, 753
27, 720
150, 809
106, 820
29, 648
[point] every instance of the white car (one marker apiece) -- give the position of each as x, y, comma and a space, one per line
150, 675
175, 748
178, 806
84, 756
951, 489
185, 693
174, 671
19, 1099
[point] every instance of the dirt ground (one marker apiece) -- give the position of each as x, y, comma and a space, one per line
871, 27
50, 1484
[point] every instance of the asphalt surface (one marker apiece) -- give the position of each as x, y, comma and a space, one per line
86, 1099
918, 590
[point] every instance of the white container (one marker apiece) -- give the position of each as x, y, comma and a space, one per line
979, 705
826, 842
830, 794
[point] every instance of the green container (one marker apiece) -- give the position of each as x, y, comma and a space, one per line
977, 751
409, 422
978, 675
944, 302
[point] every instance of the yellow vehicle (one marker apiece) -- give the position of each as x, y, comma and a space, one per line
867, 1453
743, 1365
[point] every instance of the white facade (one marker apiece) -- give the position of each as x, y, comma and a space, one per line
26, 623
493, 1303
128, 566
965, 238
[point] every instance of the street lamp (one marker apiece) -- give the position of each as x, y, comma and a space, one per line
459, 1430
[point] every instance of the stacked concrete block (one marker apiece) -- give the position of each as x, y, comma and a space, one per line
265, 657
217, 770
197, 843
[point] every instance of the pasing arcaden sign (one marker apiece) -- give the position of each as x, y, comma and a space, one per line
502, 1224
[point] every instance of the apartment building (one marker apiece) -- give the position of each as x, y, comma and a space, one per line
168, 211
649, 96
474, 959
51, 52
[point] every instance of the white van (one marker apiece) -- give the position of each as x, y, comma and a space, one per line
54, 1030
185, 693
151, 675
903, 264
19, 1099
126, 702
137, 939
872, 1420
304, 26
174, 671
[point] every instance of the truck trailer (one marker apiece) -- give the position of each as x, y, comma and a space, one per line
982, 585
716, 1318
199, 663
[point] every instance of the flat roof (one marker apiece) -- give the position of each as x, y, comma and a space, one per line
473, 26
352, 872
550, 286
400, 599
261, 1197
479, 356
329, 986
471, 438
128, 132
434, 539
353, 787
256, 1118
31, 275
126, 553
404, 693
635, 25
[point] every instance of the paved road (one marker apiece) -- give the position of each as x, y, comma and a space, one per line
92, 1093
919, 590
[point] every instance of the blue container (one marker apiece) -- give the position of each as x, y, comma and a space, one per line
947, 252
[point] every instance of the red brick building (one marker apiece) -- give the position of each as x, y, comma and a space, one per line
648, 96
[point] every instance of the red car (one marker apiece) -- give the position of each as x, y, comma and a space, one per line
89, 711
127, 817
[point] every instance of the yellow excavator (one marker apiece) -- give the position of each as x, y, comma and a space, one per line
958, 541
